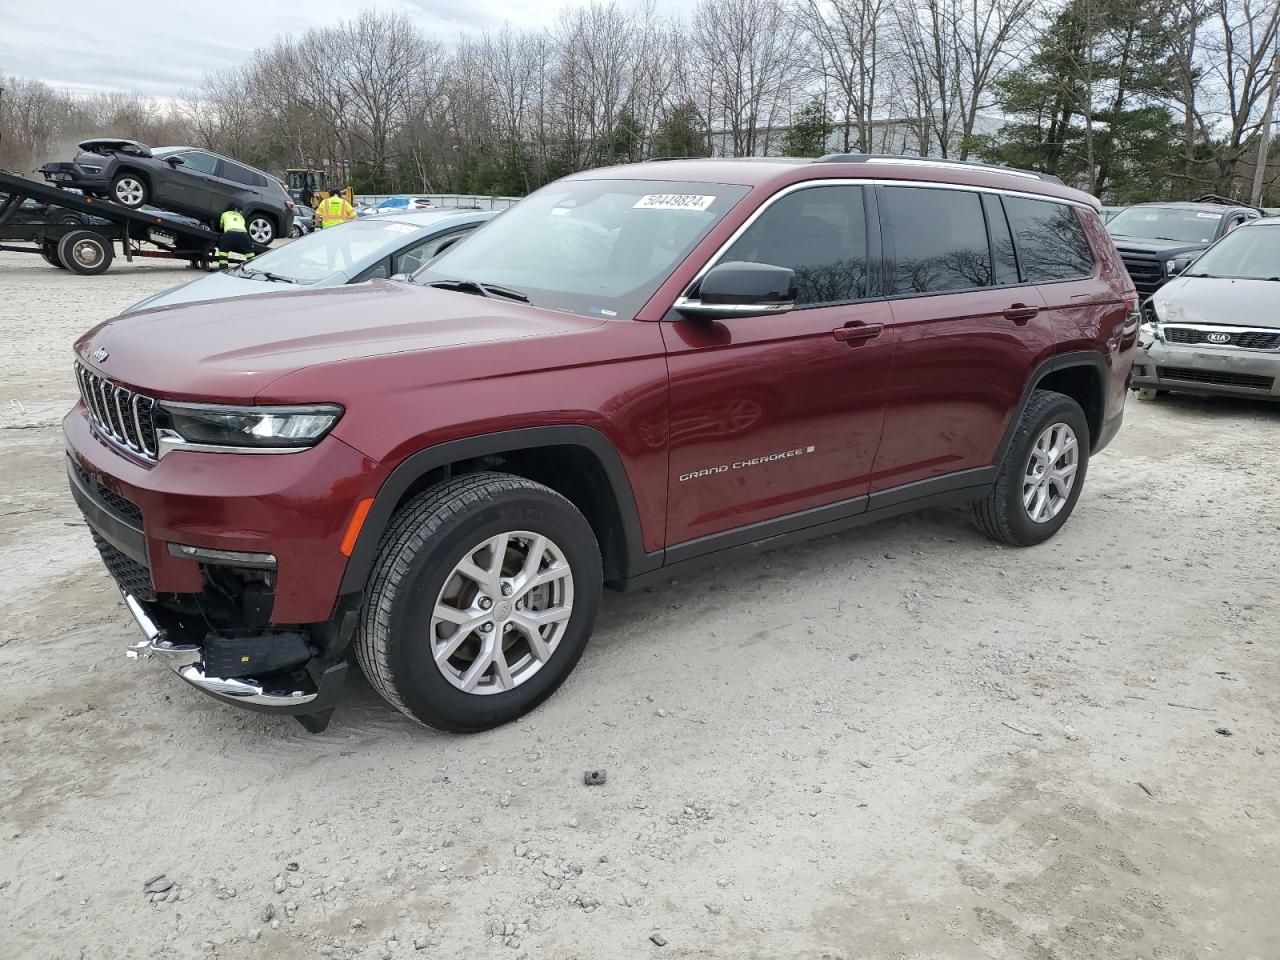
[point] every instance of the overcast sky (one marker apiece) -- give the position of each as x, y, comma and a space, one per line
161, 47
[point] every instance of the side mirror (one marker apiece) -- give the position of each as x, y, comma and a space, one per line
741, 289
174, 161
1178, 264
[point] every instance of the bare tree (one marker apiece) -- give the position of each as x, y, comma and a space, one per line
849, 35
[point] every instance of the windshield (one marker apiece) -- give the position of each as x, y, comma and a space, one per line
1251, 253
594, 247
326, 252
1165, 223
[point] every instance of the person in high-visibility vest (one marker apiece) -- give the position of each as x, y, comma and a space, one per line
234, 239
334, 210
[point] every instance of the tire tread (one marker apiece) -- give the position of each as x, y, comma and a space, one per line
417, 521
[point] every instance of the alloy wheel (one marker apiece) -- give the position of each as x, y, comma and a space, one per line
502, 612
260, 230
1050, 472
129, 191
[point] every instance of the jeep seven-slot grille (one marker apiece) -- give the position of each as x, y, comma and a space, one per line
1144, 269
1247, 380
1249, 339
126, 417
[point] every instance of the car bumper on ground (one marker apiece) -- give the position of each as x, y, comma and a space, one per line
230, 564
1207, 369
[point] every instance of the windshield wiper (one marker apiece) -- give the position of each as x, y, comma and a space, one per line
266, 275
480, 289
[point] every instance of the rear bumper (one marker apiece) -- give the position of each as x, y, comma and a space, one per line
1207, 370
70, 174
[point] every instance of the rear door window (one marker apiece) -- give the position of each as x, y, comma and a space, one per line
939, 239
821, 234
238, 174
1051, 240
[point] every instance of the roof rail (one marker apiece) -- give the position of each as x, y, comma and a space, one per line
1226, 202
934, 161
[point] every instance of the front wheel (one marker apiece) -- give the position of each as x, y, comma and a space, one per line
483, 596
129, 190
261, 229
295, 231
1042, 474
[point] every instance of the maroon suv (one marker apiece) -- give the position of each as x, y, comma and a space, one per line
633, 372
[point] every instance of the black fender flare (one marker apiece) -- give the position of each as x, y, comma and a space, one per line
634, 559
1076, 358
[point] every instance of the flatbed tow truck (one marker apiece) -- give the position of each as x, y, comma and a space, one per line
89, 248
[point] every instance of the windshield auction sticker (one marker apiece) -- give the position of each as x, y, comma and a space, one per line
673, 201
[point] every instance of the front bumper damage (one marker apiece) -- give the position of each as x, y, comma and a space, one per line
309, 693
231, 566
1206, 369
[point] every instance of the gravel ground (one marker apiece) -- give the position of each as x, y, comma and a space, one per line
901, 742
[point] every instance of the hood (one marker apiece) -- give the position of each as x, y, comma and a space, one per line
1167, 248
110, 144
219, 286
1219, 300
229, 350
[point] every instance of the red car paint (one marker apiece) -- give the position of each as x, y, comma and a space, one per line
821, 416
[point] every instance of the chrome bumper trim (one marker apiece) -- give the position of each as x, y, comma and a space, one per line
245, 691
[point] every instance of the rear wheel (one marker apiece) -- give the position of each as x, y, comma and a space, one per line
85, 252
49, 250
261, 228
482, 598
129, 190
1042, 474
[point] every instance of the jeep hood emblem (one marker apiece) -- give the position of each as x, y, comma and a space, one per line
99, 355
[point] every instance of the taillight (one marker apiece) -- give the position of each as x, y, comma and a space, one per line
1131, 302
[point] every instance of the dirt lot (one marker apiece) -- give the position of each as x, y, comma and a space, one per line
903, 742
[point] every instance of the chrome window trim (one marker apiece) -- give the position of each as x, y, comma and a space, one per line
869, 182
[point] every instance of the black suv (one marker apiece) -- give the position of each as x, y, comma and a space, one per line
1158, 240
185, 180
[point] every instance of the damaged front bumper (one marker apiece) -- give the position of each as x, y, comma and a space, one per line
309, 692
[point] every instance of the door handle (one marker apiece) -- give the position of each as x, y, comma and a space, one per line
857, 332
1020, 313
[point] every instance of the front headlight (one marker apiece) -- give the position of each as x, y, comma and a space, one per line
249, 429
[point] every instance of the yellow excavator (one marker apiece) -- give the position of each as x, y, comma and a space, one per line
310, 185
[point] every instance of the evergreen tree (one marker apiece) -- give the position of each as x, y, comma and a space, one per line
680, 133
1089, 104
810, 128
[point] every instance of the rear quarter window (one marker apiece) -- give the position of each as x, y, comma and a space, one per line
1050, 239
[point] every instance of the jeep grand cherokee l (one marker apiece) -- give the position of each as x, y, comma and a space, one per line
186, 180
633, 372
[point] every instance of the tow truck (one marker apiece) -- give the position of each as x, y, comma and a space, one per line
89, 248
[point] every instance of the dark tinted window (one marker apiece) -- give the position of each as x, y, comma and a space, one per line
1050, 238
237, 174
939, 239
1001, 240
821, 234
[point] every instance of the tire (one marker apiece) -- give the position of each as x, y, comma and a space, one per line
261, 229
130, 190
417, 575
295, 231
49, 250
1003, 514
85, 252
